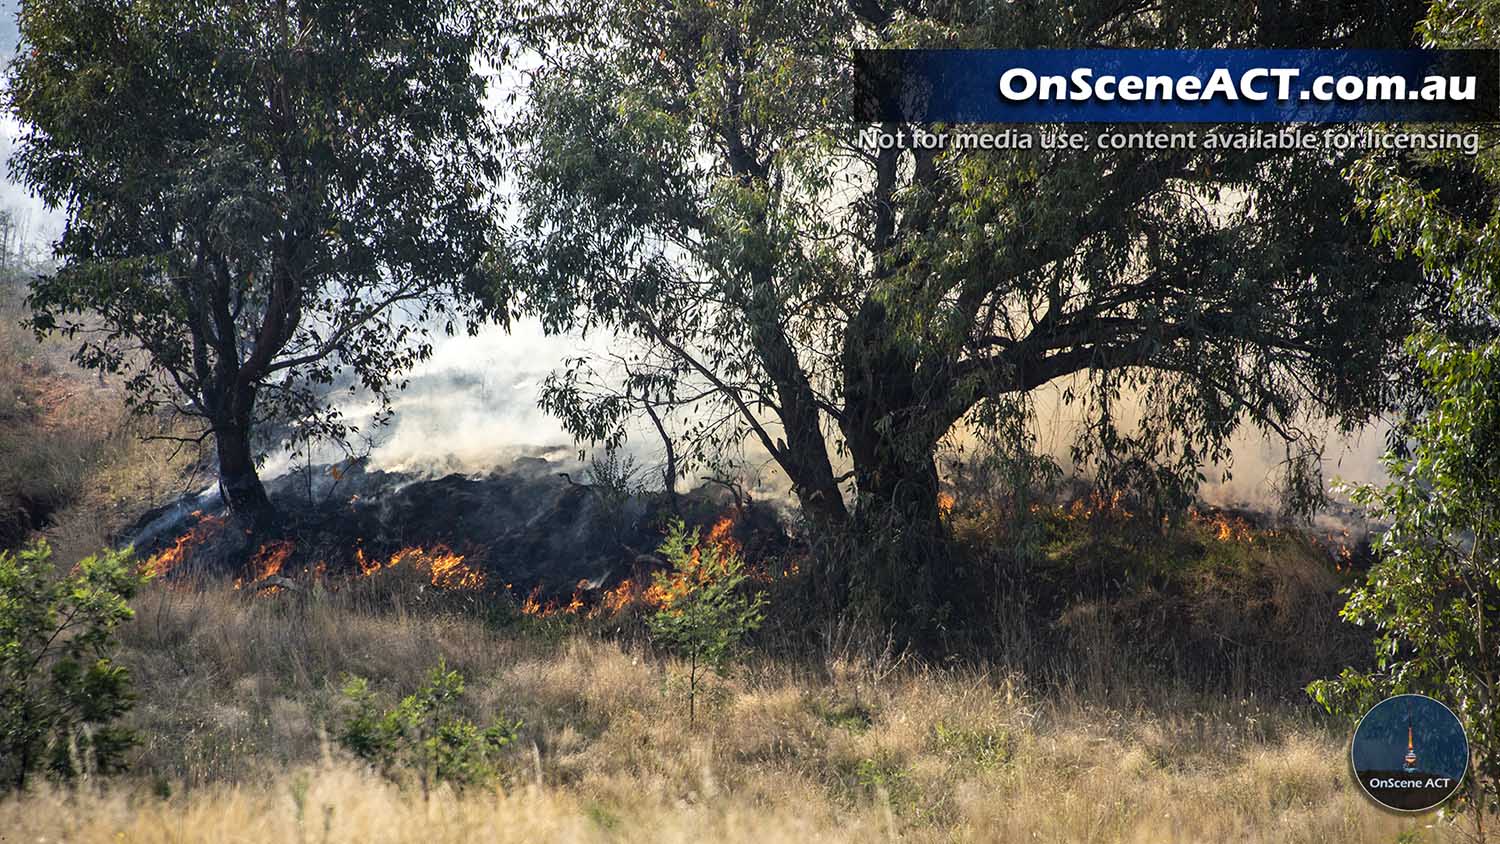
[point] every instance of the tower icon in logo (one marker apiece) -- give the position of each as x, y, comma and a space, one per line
1409, 763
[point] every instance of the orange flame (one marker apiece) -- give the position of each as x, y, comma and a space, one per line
1225, 528
268, 560
1339, 550
533, 604
722, 535
449, 572
576, 602
1095, 506
444, 568
203, 530
620, 597
366, 565
649, 594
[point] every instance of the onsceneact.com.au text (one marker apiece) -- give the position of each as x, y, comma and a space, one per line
1255, 85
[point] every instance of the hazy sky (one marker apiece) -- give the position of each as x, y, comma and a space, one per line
42, 225
8, 27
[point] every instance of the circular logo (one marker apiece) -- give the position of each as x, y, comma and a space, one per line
1409, 753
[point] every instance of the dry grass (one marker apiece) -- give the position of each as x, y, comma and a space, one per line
126, 473
238, 696
72, 459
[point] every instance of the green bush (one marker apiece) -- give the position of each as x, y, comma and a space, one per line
60, 693
1434, 596
704, 614
980, 747
422, 737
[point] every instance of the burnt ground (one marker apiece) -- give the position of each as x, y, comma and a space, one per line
530, 527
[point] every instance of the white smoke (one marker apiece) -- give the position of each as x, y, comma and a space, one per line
473, 407
474, 402
37, 225
1257, 457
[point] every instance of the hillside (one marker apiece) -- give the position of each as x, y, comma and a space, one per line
74, 465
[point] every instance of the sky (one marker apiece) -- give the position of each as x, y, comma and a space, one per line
8, 26
42, 225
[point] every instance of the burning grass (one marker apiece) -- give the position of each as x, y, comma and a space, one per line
237, 696
642, 592
1232, 601
205, 528
208, 547
211, 546
1213, 598
444, 568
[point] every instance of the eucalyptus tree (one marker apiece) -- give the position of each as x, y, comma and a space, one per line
260, 196
690, 178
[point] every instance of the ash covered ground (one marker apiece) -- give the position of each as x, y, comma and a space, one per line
533, 528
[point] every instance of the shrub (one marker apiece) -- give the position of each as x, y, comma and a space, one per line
1432, 595
422, 737
60, 692
704, 614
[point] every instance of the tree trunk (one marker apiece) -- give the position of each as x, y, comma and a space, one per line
894, 486
817, 490
804, 450
890, 424
238, 480
901, 570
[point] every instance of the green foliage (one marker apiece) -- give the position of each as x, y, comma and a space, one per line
704, 612
614, 479
602, 815
259, 197
885, 777
880, 774
422, 736
980, 747
60, 691
845, 715
1434, 595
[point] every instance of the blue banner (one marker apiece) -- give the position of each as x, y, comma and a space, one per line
1176, 86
